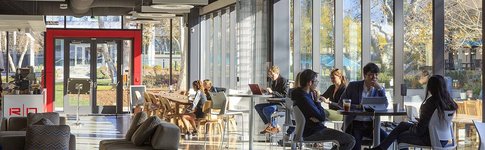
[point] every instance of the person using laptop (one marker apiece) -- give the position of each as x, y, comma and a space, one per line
418, 133
209, 88
361, 126
306, 100
279, 89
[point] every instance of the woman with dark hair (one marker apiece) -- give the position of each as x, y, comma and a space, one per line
418, 133
195, 110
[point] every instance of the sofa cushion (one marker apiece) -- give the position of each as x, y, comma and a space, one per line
17, 124
125, 146
166, 136
52, 137
104, 143
135, 123
145, 131
52, 116
43, 121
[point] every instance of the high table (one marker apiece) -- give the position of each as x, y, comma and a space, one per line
251, 113
377, 120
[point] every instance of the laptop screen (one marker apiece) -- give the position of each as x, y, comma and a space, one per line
255, 89
377, 103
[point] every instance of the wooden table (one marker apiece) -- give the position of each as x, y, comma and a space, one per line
377, 120
251, 114
178, 100
467, 120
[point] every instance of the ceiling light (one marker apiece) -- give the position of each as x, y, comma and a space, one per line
140, 20
155, 15
172, 7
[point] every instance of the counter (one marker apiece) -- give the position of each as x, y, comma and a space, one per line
21, 105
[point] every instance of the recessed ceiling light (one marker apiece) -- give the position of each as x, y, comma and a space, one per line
172, 7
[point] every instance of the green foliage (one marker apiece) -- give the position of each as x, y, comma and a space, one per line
466, 80
102, 73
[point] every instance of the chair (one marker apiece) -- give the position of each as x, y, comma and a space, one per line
219, 101
471, 107
480, 126
300, 125
440, 132
461, 107
479, 107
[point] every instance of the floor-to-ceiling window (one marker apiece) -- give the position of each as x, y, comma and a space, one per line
327, 49
305, 34
463, 61
417, 49
382, 36
352, 39
164, 55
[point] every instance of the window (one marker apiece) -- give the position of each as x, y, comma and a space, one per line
418, 49
352, 39
327, 49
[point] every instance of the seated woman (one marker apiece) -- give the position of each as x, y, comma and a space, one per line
195, 111
314, 113
333, 93
418, 133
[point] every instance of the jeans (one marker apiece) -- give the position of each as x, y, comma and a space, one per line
265, 110
360, 129
403, 134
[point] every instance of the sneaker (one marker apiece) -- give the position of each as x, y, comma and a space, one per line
274, 130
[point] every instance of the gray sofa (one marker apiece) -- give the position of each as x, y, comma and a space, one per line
13, 133
166, 136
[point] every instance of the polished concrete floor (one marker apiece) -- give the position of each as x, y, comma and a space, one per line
97, 128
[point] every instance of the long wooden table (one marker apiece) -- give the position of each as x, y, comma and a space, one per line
178, 100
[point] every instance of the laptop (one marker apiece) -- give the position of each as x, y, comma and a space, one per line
376, 103
255, 89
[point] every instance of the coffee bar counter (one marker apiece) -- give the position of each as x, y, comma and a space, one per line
22, 104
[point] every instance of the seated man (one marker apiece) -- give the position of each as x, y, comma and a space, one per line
279, 89
307, 102
361, 126
209, 88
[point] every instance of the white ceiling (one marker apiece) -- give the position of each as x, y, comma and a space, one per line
22, 22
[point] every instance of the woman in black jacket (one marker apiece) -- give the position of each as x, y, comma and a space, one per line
418, 133
333, 93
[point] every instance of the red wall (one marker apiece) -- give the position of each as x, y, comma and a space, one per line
52, 34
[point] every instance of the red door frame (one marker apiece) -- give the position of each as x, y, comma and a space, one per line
52, 34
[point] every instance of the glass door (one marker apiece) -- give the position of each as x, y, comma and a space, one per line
77, 65
106, 62
108, 81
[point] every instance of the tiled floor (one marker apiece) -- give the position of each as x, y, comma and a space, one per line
97, 128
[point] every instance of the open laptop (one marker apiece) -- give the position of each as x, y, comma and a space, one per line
255, 89
376, 103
